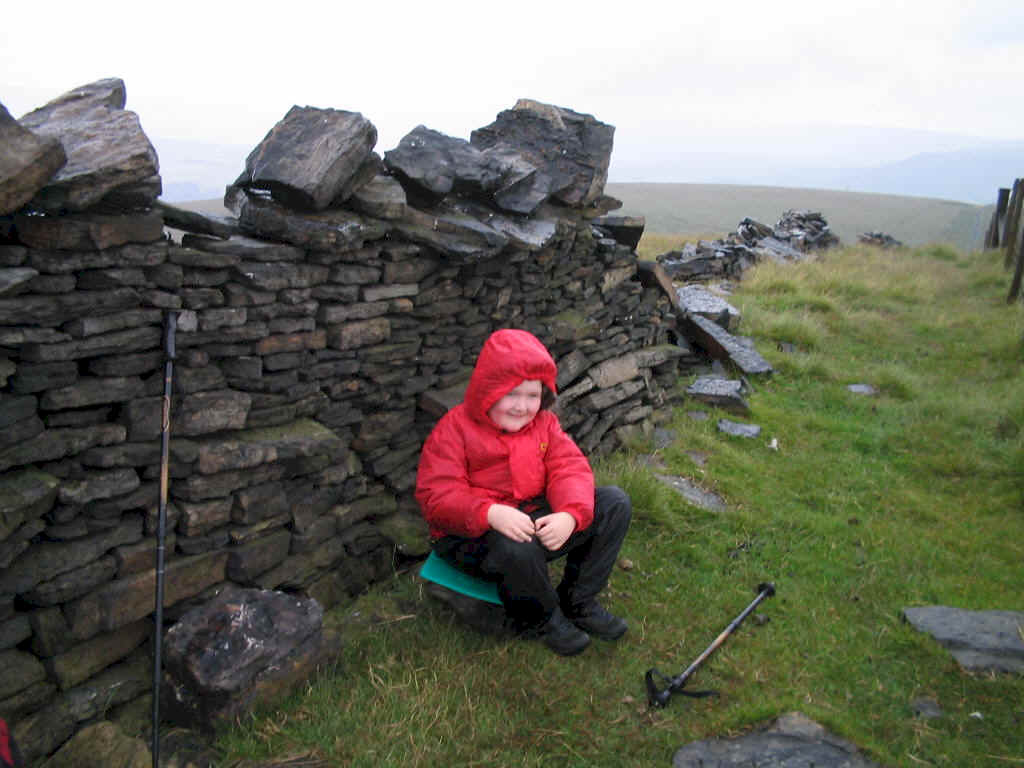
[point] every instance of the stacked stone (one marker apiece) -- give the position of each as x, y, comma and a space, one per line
805, 230
319, 336
82, 258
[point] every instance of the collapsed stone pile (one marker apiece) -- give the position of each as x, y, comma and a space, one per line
879, 240
805, 230
796, 234
320, 334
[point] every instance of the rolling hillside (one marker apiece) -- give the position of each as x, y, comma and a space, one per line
708, 209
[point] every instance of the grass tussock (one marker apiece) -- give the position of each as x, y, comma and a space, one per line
862, 505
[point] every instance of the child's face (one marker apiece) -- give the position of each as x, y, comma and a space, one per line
517, 409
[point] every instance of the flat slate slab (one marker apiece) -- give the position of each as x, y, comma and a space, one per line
862, 389
699, 300
625, 229
738, 430
981, 641
195, 222
696, 496
792, 741
719, 392
722, 345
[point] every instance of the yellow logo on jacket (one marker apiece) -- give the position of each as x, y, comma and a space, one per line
543, 448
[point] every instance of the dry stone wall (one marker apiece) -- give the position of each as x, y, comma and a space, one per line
320, 333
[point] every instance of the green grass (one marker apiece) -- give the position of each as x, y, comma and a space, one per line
870, 504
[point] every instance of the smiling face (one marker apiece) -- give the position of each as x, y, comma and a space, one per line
517, 409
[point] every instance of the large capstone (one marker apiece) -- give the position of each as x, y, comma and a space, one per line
107, 151
573, 149
311, 158
432, 165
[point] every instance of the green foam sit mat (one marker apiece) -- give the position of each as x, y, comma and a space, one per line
440, 571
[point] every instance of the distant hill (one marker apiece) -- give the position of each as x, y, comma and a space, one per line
853, 159
972, 175
705, 209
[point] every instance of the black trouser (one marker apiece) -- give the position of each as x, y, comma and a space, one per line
521, 568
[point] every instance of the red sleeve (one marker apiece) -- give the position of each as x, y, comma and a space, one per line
570, 480
449, 503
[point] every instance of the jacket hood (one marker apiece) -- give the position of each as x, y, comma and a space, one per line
508, 358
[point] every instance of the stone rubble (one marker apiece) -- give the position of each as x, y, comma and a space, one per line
879, 240
794, 236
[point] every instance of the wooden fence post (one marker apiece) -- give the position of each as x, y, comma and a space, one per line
994, 236
1012, 221
1014, 233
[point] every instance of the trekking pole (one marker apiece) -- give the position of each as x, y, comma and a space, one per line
161, 525
659, 697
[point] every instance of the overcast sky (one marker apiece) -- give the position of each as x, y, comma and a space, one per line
670, 76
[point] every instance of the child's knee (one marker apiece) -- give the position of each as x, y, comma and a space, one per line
506, 554
614, 501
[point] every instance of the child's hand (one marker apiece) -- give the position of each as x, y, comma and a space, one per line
553, 530
510, 522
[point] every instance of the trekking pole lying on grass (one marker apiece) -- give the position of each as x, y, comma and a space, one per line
659, 697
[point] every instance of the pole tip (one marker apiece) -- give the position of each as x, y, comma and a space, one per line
766, 586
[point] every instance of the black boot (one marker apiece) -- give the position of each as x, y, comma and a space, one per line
595, 620
562, 636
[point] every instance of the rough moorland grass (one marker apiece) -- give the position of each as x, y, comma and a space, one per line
870, 504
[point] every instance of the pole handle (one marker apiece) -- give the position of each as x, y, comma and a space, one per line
170, 326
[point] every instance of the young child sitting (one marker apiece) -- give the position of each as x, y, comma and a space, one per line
505, 491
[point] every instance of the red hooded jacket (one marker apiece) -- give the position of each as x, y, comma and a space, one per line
469, 463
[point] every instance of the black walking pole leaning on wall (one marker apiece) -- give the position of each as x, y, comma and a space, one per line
170, 326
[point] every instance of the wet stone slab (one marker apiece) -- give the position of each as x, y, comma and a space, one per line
722, 345
723, 393
699, 300
792, 741
738, 430
696, 496
862, 389
981, 641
